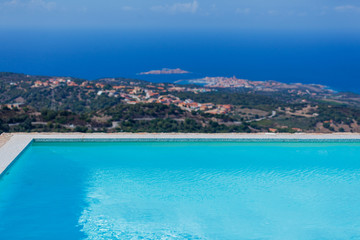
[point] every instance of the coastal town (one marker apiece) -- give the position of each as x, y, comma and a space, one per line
161, 92
133, 92
265, 86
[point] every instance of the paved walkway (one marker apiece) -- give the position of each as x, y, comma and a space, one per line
11, 149
4, 138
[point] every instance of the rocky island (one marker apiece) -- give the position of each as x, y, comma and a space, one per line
165, 71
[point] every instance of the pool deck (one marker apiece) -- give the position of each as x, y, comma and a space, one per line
11, 145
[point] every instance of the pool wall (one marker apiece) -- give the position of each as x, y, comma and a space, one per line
20, 141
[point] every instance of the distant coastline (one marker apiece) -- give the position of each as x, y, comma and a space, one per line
287, 58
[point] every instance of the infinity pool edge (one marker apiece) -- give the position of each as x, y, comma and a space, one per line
18, 142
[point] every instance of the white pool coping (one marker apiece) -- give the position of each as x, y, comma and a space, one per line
12, 149
19, 141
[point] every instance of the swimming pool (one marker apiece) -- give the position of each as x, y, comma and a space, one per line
182, 190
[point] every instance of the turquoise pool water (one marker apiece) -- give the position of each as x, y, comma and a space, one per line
182, 190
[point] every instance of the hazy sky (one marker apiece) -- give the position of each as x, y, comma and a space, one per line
326, 15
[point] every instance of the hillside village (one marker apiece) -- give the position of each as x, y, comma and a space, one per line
133, 94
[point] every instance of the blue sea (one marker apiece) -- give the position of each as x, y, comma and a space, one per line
331, 59
183, 190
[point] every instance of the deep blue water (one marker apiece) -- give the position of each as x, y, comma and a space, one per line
324, 58
183, 190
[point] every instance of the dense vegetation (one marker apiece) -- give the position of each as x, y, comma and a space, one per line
187, 126
244, 99
147, 110
125, 115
